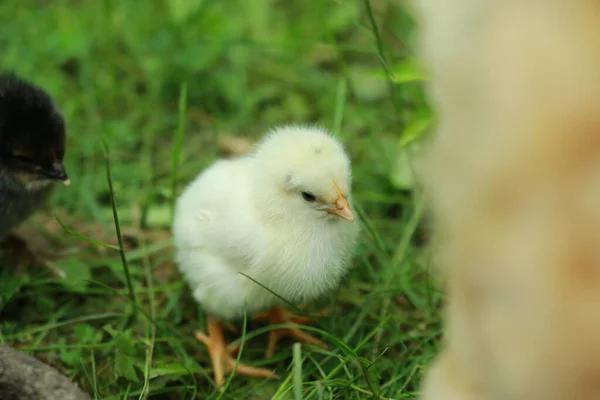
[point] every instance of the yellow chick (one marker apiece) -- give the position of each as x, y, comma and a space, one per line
281, 215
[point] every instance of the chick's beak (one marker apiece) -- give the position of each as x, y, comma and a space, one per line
341, 207
58, 173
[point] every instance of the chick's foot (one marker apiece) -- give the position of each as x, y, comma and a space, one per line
222, 356
278, 315
25, 255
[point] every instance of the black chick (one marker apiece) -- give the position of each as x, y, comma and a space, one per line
32, 147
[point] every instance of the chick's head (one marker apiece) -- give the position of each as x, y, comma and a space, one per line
304, 173
32, 135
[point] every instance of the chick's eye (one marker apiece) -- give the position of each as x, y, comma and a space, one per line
20, 157
24, 159
308, 197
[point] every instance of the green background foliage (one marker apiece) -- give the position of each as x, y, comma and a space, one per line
158, 82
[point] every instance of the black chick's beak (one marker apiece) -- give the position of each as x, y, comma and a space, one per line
57, 173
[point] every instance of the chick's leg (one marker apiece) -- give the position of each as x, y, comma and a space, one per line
20, 249
278, 315
221, 355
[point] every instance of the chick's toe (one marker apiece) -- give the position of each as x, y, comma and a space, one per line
222, 356
277, 316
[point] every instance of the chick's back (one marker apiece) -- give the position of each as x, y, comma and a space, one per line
216, 237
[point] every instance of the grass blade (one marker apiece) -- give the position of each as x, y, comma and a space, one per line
118, 229
83, 237
178, 144
297, 351
340, 102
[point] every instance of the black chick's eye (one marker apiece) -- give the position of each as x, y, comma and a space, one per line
308, 197
24, 159
16, 157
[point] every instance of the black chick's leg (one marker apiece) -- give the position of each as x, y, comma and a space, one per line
24, 255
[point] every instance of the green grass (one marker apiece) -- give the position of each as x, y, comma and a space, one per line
157, 83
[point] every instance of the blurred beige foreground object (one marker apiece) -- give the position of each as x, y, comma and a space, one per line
513, 179
23, 377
